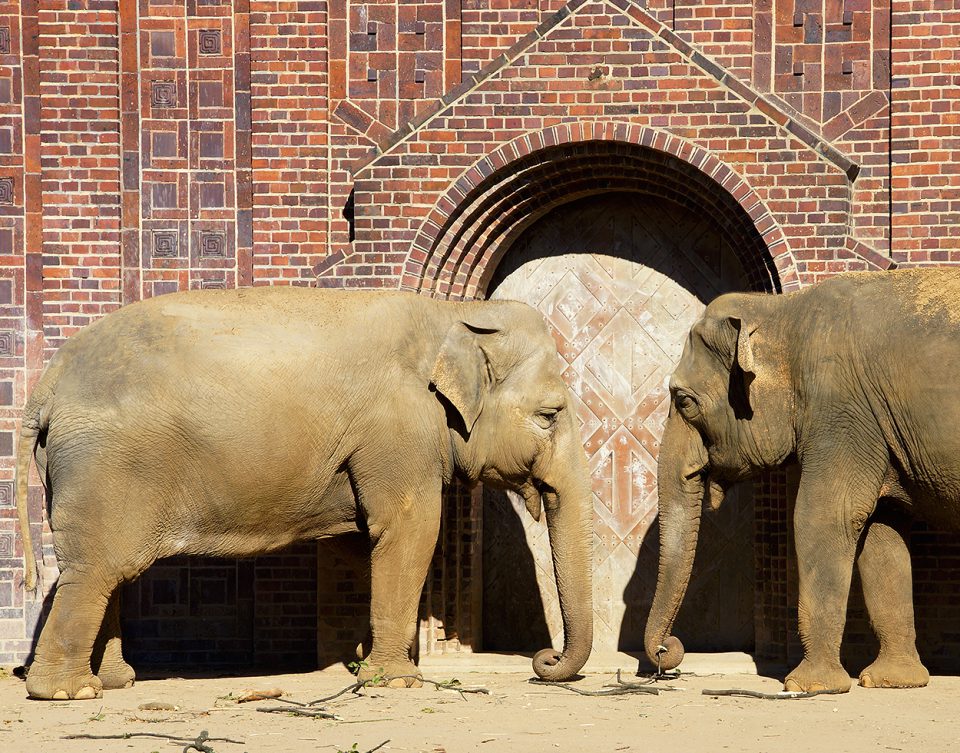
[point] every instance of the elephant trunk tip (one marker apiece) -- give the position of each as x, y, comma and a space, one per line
555, 666
666, 655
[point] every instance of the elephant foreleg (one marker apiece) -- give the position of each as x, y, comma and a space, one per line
885, 571
107, 660
828, 520
403, 544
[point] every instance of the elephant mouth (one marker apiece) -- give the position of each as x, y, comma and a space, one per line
534, 501
716, 491
537, 494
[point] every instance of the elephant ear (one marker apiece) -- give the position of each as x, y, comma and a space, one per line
462, 371
742, 368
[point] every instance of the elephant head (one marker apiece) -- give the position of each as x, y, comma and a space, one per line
512, 426
730, 416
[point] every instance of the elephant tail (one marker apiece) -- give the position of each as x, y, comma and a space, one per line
36, 419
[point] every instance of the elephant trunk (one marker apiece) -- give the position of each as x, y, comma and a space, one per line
680, 486
569, 513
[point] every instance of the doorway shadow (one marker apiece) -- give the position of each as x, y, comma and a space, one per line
514, 618
717, 612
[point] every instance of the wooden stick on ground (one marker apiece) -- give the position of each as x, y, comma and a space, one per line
616, 690
196, 743
301, 711
784, 695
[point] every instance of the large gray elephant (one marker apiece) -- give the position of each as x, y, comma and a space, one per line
232, 423
857, 377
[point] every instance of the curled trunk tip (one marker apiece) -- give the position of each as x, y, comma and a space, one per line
555, 666
666, 655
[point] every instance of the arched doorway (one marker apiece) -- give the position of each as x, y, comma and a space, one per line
635, 206
620, 276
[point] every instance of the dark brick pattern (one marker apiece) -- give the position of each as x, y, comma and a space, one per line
225, 613
208, 144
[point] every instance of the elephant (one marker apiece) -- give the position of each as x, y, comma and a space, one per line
234, 422
857, 379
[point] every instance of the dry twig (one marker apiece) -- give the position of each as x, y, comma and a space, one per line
784, 695
628, 689
358, 686
448, 685
300, 710
624, 684
197, 743
355, 688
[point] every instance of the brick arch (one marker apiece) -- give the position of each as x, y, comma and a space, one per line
460, 243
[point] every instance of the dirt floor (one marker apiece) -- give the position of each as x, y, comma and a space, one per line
515, 716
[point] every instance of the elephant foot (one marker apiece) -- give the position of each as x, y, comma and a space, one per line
61, 686
117, 677
895, 672
391, 674
811, 678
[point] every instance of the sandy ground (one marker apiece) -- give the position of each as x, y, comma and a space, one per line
515, 716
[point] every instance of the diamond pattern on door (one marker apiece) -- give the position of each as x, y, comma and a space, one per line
620, 279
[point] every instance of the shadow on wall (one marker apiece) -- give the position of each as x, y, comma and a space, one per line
704, 623
44, 612
936, 599
513, 610
300, 609
297, 610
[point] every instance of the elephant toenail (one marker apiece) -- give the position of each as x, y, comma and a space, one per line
61, 695
85, 693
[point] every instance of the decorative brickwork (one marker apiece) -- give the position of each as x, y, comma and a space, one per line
925, 143
456, 251
209, 144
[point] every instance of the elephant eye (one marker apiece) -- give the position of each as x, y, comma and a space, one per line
546, 417
687, 405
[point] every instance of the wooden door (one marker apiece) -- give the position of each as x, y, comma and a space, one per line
620, 278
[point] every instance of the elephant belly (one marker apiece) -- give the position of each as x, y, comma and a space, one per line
234, 491
931, 486
251, 523
937, 504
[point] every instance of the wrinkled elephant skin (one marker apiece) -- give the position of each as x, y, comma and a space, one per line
858, 379
232, 423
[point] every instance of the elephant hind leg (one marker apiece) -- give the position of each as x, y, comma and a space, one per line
61, 667
96, 553
885, 571
107, 660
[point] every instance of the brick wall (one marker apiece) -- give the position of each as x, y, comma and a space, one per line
80, 165
925, 143
148, 146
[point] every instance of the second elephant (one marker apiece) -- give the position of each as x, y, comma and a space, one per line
859, 379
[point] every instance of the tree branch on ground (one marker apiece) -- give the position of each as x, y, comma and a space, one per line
197, 743
784, 695
300, 710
